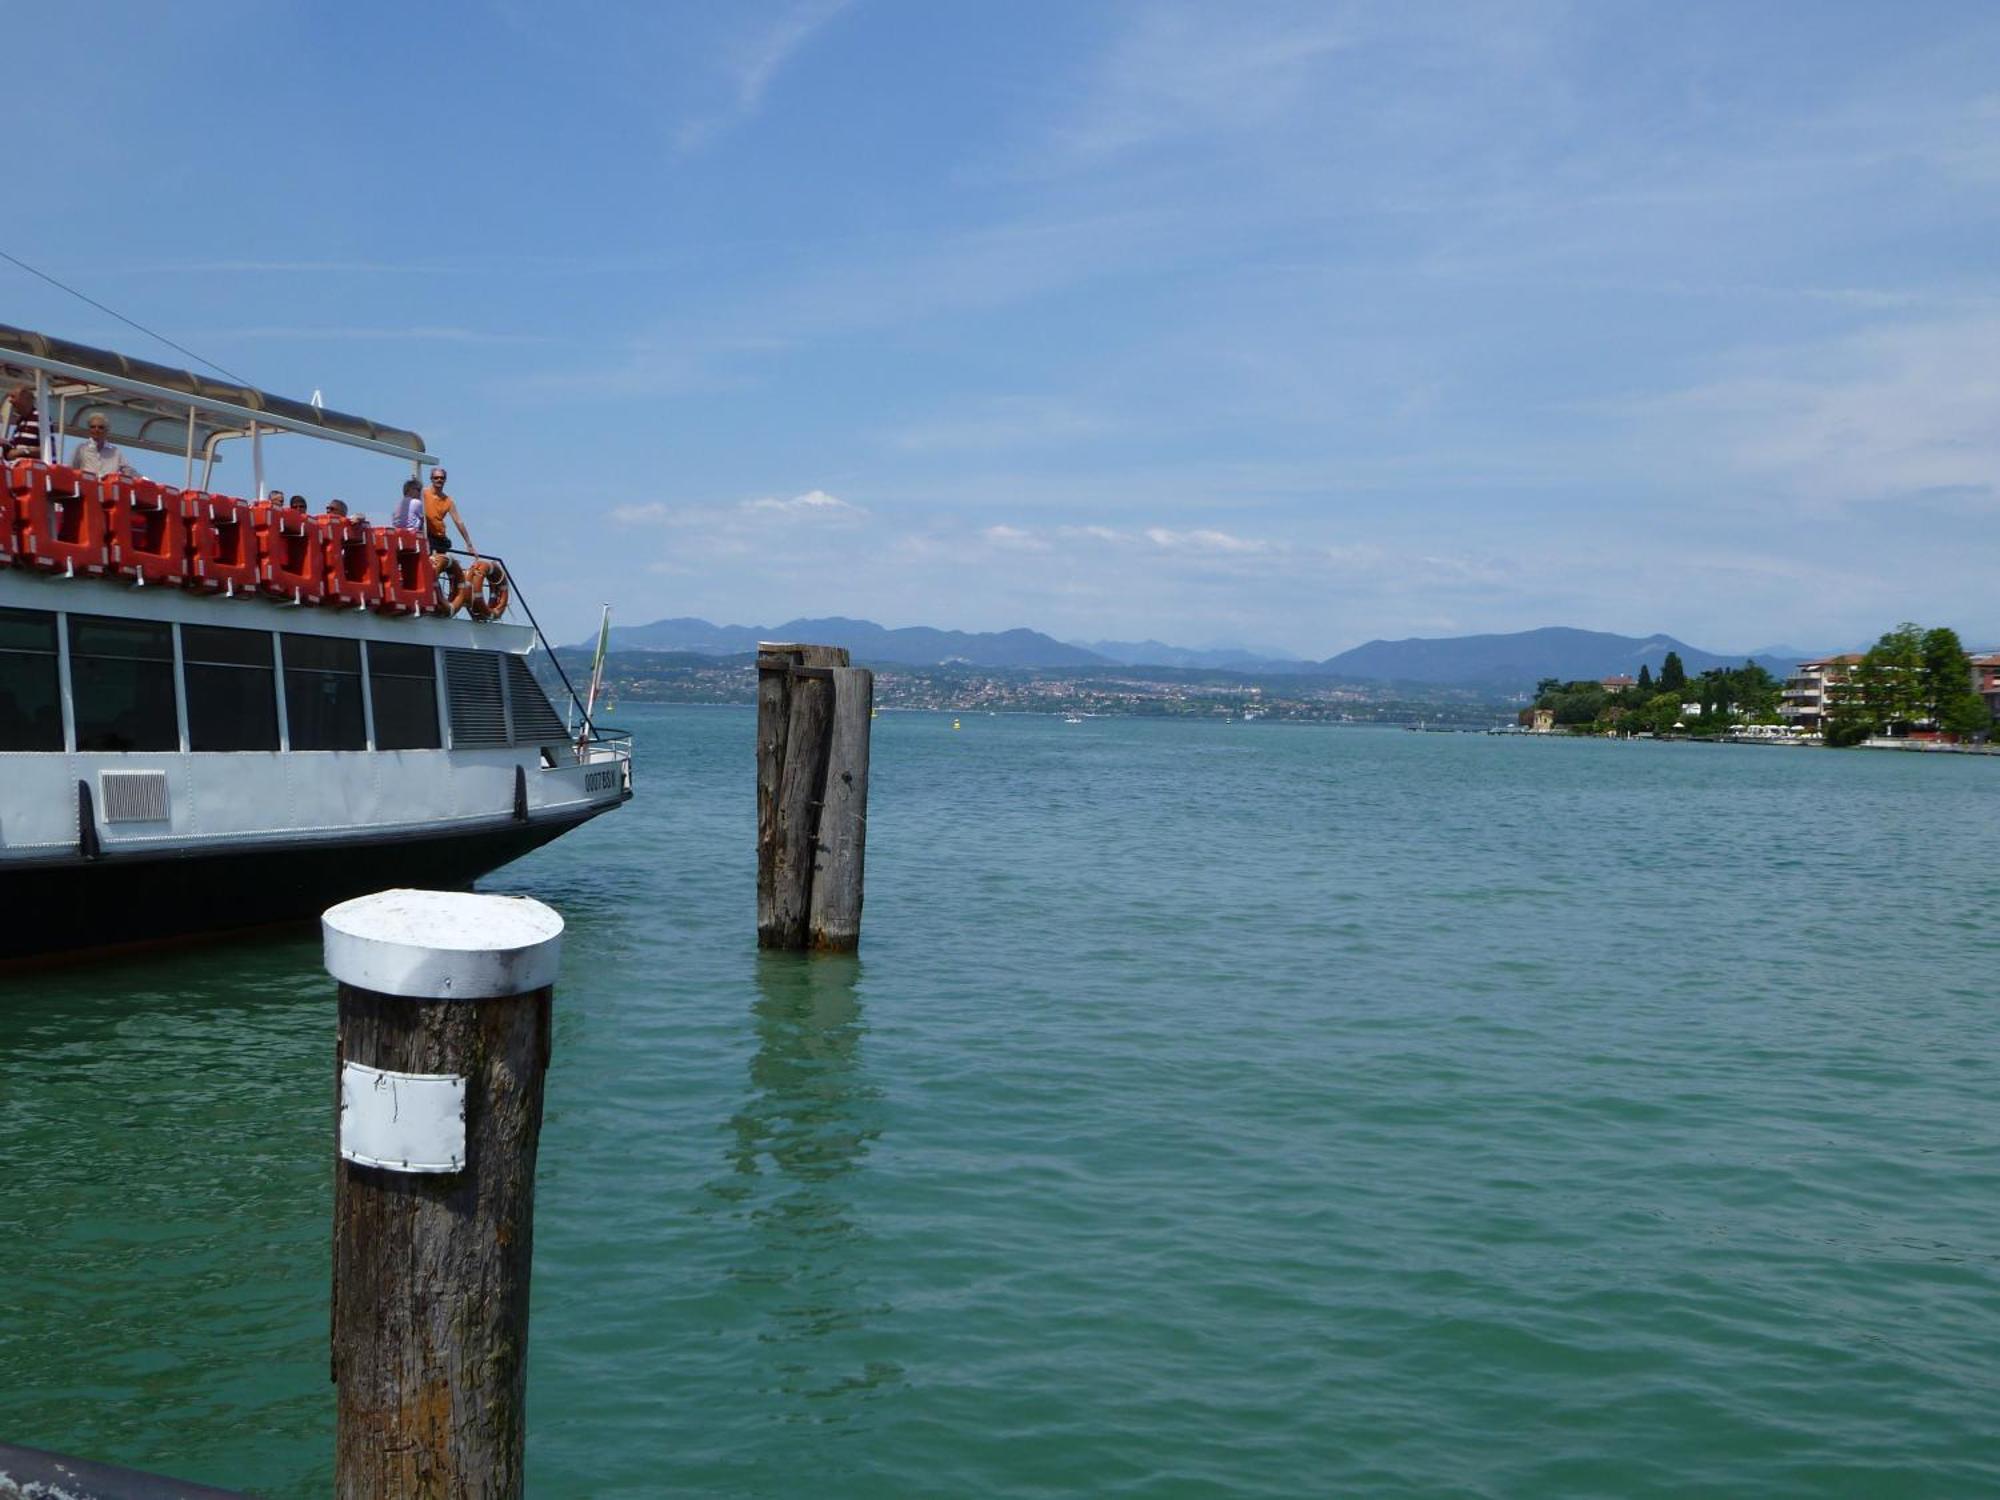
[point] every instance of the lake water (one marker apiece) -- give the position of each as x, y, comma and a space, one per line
1214, 1110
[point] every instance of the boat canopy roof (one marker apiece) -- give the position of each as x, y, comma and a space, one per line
148, 405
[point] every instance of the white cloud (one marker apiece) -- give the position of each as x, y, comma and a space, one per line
1208, 541
1886, 414
812, 505
1014, 539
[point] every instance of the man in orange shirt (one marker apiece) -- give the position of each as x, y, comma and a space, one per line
437, 507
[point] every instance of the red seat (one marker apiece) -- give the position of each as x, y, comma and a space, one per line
291, 550
222, 540
61, 518
147, 532
352, 577
10, 514
406, 579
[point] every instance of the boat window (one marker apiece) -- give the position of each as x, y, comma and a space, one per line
121, 675
472, 684
30, 688
232, 688
403, 681
323, 693
535, 720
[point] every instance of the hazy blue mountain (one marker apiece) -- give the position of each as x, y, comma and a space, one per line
1160, 654
915, 645
1510, 663
1518, 661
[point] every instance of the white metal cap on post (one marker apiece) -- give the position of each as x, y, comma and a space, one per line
443, 945
443, 1049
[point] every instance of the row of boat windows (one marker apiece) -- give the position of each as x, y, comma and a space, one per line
125, 694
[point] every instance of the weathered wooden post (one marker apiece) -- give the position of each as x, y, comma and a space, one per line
443, 1047
813, 714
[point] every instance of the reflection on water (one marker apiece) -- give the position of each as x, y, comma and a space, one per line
805, 1127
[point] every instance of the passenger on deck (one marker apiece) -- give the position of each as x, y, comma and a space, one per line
97, 455
409, 512
276, 499
24, 425
437, 506
299, 503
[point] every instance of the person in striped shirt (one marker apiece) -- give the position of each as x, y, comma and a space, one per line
23, 425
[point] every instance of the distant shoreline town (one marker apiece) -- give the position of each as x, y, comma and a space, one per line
1903, 690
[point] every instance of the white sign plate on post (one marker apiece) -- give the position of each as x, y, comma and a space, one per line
406, 1122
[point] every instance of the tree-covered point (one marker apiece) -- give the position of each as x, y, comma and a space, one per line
1722, 698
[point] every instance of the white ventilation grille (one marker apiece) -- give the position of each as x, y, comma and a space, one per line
133, 796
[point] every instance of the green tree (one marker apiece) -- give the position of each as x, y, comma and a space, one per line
1966, 716
1659, 714
1673, 676
1892, 678
1579, 703
1954, 704
1846, 720
1546, 689
1645, 687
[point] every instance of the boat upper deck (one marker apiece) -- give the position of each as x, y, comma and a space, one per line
188, 554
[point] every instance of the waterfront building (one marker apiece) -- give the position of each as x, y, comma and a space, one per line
1986, 679
1804, 699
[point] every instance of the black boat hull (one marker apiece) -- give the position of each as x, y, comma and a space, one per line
80, 907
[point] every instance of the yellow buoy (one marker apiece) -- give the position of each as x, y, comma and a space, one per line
954, 723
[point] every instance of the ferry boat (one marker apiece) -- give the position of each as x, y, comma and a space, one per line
216, 713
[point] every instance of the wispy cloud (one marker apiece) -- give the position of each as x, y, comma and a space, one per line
814, 507
1204, 540
1192, 70
754, 62
1882, 416
813, 504
1014, 539
417, 333
1001, 423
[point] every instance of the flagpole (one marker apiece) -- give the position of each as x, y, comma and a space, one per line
596, 676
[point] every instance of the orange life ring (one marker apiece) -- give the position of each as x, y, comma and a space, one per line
483, 595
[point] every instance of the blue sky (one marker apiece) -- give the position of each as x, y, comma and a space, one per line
1282, 325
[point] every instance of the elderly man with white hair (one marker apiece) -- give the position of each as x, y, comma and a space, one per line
97, 455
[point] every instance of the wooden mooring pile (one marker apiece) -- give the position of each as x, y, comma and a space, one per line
813, 713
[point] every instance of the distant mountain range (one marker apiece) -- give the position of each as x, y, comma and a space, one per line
1160, 654
1508, 663
1519, 660
913, 645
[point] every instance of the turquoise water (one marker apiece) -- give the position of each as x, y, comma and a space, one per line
1215, 1110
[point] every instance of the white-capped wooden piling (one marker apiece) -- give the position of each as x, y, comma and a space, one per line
813, 713
443, 1048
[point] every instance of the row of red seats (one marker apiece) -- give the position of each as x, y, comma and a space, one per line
56, 519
